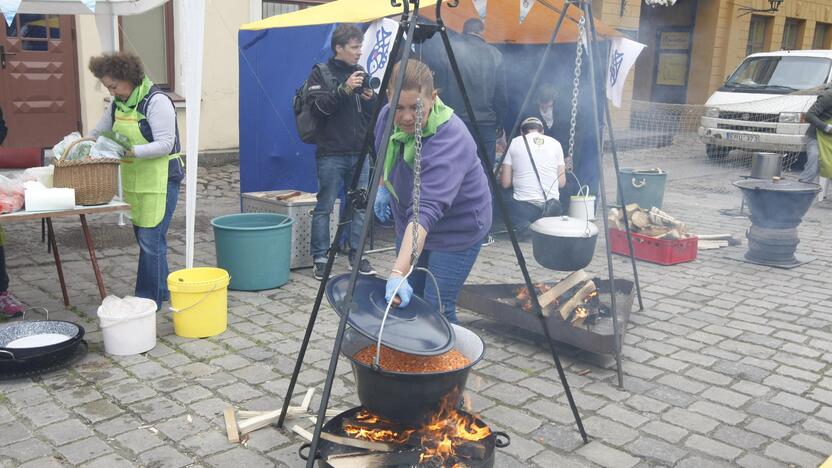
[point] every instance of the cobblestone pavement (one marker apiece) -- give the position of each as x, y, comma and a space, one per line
728, 364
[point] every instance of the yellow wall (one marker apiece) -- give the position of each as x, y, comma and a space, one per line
219, 129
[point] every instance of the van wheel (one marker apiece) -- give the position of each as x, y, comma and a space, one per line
716, 152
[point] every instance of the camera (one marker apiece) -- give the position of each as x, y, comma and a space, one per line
370, 82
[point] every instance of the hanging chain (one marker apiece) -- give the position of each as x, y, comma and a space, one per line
576, 82
417, 177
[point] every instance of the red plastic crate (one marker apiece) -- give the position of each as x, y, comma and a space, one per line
650, 249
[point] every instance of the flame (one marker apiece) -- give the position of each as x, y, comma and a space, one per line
447, 430
440, 437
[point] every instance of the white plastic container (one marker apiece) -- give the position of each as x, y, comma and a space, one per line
582, 205
49, 199
128, 325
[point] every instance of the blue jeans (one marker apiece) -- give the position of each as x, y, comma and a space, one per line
152, 275
451, 269
811, 169
335, 174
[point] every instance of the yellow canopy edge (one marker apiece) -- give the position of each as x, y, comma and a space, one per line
341, 11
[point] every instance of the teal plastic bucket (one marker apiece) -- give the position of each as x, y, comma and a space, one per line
254, 248
642, 186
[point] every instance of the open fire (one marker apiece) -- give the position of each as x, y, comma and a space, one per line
450, 438
579, 304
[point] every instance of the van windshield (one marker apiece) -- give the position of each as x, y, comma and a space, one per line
778, 75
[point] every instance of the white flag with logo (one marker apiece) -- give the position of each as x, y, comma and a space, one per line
623, 55
9, 8
525, 6
376, 47
481, 5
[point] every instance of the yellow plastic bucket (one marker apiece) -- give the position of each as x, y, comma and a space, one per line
199, 301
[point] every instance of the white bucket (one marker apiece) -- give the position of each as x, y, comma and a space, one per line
130, 334
582, 205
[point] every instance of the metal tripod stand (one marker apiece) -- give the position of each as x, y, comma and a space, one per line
402, 44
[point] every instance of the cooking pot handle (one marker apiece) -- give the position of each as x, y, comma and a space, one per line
500, 443
640, 184
8, 352
303, 455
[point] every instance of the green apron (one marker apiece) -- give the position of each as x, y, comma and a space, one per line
144, 181
825, 156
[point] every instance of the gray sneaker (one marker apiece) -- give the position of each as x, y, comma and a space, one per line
318, 270
364, 266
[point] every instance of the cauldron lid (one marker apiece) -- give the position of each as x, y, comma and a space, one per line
416, 329
564, 226
777, 185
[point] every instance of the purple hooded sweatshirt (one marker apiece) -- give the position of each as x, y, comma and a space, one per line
455, 206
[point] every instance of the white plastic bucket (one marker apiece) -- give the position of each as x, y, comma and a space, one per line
582, 205
130, 334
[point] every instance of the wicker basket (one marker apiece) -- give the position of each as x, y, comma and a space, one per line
95, 180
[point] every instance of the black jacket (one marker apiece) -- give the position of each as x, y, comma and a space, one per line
820, 113
481, 66
3, 129
344, 116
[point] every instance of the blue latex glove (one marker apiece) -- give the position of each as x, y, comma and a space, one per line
405, 292
381, 207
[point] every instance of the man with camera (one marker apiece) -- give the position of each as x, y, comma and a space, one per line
342, 100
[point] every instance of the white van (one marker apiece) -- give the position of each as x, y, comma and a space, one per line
761, 106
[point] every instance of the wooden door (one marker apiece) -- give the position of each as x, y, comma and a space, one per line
39, 79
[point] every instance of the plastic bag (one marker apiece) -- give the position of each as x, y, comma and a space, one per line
61, 146
11, 193
80, 151
105, 147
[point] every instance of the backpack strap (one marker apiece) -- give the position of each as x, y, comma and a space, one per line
142, 108
534, 166
327, 77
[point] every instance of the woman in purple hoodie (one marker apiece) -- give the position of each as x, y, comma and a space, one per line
454, 211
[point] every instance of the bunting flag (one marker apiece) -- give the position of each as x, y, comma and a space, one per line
525, 6
481, 5
623, 55
9, 8
89, 4
375, 49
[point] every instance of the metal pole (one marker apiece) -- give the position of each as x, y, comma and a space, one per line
346, 305
368, 140
614, 148
598, 135
504, 211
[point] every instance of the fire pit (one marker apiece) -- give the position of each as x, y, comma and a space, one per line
777, 208
452, 437
499, 302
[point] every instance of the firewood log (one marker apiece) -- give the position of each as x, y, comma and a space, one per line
640, 219
560, 289
567, 307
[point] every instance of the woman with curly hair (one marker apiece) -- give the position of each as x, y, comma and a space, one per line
151, 170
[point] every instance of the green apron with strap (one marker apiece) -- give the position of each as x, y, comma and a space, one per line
825, 156
144, 181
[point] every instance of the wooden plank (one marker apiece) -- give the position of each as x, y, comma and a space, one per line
231, 425
306, 435
359, 443
307, 400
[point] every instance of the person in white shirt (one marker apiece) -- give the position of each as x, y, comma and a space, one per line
534, 167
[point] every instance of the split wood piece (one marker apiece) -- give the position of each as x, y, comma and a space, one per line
715, 236
250, 414
231, 425
547, 298
577, 299
259, 419
374, 460
640, 219
288, 195
349, 441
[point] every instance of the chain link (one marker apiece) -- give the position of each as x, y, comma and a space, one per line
417, 177
576, 82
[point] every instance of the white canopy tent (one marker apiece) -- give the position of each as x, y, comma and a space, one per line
106, 14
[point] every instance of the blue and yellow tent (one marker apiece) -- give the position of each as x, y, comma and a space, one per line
277, 54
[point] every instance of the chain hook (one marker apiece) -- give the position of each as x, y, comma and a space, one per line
576, 83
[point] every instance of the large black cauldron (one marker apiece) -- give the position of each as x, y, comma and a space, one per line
410, 398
